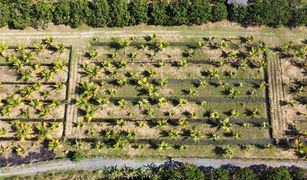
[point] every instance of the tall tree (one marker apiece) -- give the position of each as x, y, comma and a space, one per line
99, 15
61, 14
41, 13
219, 11
178, 12
200, 11
20, 14
4, 14
158, 12
138, 11
119, 14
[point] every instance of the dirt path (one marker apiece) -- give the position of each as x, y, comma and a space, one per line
276, 95
97, 163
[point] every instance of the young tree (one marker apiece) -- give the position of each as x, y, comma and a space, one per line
158, 12
99, 15
138, 10
41, 13
219, 11
178, 12
61, 14
237, 13
200, 11
119, 14
4, 14
20, 16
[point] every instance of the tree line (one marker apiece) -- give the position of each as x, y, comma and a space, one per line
19, 14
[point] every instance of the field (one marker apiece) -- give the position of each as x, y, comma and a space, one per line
148, 96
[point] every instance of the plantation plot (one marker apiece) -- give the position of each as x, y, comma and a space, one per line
33, 92
157, 93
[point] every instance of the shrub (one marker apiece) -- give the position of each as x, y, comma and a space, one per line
200, 11
41, 13
185, 172
280, 173
99, 13
220, 174
4, 14
61, 14
75, 156
219, 11
119, 15
158, 12
20, 16
237, 13
245, 174
178, 12
138, 10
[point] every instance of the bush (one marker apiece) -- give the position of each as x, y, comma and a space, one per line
237, 13
158, 12
99, 13
178, 12
200, 11
138, 10
280, 173
4, 14
245, 174
219, 11
220, 174
185, 172
75, 156
78, 12
119, 15
20, 14
41, 13
61, 14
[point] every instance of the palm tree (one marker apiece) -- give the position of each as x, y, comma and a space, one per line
3, 47
225, 124
58, 65
122, 103
121, 82
39, 47
42, 131
105, 63
46, 74
173, 134
161, 45
213, 73
58, 85
162, 101
49, 40
195, 134
162, 123
182, 122
182, 63
3, 131
98, 145
59, 47
150, 112
26, 75
92, 54
92, 72
23, 130
35, 103
120, 122
182, 102
163, 146
102, 101
214, 136
20, 151
54, 144
163, 83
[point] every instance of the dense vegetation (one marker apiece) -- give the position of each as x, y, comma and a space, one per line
179, 171
19, 14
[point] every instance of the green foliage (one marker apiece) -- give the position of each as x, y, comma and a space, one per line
185, 172
220, 174
99, 13
138, 10
219, 11
119, 14
178, 12
158, 12
61, 14
20, 16
200, 11
280, 173
4, 14
237, 13
78, 12
41, 13
245, 174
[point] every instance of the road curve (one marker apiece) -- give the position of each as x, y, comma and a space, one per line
97, 163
